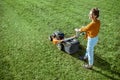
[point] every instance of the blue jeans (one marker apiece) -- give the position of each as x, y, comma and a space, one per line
90, 49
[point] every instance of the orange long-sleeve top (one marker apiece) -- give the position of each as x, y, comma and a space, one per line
92, 29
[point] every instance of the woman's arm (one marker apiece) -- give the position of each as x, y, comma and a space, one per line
86, 28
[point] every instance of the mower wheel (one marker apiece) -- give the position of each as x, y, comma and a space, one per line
50, 38
60, 47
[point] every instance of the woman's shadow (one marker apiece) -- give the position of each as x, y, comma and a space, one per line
99, 63
105, 66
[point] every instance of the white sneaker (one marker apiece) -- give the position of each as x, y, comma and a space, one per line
87, 66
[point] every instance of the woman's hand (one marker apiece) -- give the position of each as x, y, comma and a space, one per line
77, 30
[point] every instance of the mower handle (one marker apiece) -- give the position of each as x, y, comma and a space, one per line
74, 37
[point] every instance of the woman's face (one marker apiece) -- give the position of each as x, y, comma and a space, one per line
90, 15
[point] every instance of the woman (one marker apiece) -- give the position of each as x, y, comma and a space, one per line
92, 30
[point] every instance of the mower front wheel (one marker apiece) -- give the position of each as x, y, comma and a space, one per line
50, 38
60, 47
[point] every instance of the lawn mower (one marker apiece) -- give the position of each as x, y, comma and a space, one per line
70, 45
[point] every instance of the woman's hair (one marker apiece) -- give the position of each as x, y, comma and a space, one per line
95, 12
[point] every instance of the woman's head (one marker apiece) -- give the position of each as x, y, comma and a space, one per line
94, 13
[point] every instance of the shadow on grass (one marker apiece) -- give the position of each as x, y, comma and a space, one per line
101, 64
105, 66
5, 71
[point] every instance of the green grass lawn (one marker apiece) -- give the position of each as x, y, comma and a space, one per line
27, 54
